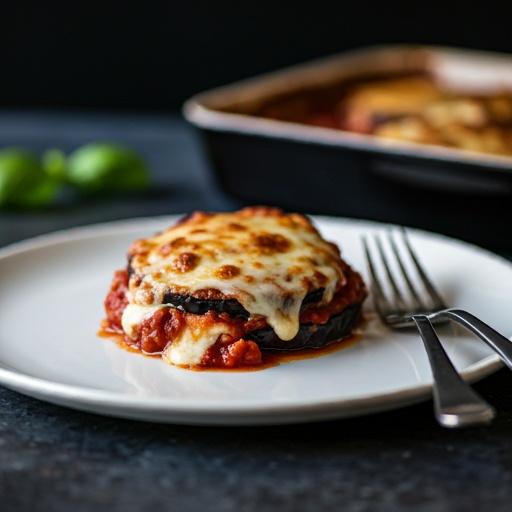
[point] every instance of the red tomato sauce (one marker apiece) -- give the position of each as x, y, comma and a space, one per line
230, 351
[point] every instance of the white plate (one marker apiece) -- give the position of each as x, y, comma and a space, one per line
51, 302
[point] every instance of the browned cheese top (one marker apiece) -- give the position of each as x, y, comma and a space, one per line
266, 259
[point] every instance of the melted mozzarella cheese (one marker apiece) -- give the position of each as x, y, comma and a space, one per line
192, 343
268, 262
133, 316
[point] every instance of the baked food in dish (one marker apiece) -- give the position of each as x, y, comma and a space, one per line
217, 288
414, 108
419, 110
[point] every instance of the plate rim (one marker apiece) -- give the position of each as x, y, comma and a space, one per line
171, 410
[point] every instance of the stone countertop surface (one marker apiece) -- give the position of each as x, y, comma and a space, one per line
58, 459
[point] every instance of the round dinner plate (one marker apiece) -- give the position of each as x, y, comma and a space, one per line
51, 303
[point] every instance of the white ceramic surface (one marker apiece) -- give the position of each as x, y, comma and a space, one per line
51, 303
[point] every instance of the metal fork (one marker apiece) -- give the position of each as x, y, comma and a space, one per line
456, 404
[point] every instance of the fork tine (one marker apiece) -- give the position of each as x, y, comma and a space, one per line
399, 300
418, 303
434, 294
381, 302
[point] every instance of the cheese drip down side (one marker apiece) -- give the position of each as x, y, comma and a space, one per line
266, 261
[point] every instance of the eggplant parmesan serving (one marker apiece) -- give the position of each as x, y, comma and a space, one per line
217, 289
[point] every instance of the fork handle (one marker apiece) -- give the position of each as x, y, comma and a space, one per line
456, 404
494, 339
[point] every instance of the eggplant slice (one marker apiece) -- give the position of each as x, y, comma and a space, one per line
230, 306
201, 306
310, 335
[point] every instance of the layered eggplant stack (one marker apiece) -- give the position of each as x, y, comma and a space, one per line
216, 289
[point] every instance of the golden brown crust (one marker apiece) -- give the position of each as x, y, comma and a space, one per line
227, 272
261, 243
269, 243
186, 262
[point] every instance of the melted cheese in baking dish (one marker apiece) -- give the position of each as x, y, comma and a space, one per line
265, 259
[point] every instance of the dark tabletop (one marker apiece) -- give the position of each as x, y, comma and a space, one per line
57, 459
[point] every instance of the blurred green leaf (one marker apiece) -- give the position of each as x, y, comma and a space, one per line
54, 163
100, 168
23, 181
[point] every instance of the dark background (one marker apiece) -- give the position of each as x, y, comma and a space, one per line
150, 54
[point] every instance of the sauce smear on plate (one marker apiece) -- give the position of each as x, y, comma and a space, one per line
270, 358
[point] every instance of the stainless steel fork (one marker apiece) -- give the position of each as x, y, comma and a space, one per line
456, 404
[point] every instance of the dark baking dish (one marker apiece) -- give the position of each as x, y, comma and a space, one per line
326, 171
